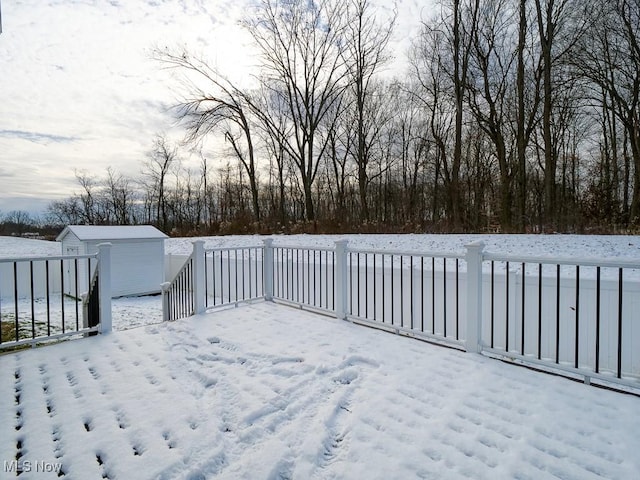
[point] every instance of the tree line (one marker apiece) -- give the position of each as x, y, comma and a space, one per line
512, 116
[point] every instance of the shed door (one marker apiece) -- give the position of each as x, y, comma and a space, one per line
74, 273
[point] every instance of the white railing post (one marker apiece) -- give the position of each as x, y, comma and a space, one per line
341, 279
166, 315
104, 286
267, 259
474, 296
199, 271
85, 309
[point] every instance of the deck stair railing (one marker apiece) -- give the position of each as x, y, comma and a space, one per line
178, 296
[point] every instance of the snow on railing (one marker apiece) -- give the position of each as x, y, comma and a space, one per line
573, 315
41, 298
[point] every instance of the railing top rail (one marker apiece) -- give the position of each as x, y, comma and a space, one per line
304, 247
42, 259
228, 249
407, 253
572, 261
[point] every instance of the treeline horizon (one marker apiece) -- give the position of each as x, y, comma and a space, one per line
513, 116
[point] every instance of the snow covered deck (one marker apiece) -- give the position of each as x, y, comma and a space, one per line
267, 391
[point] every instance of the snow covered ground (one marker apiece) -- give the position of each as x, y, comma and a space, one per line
267, 391
26, 247
598, 246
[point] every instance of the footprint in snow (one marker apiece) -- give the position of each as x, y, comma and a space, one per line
346, 377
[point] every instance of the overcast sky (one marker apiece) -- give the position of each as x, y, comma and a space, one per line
79, 91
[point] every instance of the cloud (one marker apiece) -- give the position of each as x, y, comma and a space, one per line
78, 88
37, 137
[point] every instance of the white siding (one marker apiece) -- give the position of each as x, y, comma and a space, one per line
71, 245
137, 266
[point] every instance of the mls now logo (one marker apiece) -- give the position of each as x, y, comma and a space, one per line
15, 466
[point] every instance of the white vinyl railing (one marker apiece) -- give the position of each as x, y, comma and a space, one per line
49, 298
579, 316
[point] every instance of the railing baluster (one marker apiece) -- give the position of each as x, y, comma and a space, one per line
297, 274
249, 251
351, 283
393, 292
221, 279
309, 274
384, 293
366, 285
433, 295
46, 268
619, 372
15, 299
411, 290
206, 282
457, 297
523, 309
557, 313
320, 279
358, 284
577, 340
229, 276
401, 291
507, 309
492, 303
235, 268
75, 272
33, 311
422, 294
598, 320
444, 295
539, 311
62, 292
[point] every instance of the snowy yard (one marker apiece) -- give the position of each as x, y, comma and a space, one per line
267, 391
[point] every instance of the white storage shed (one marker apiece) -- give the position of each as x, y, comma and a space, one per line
137, 257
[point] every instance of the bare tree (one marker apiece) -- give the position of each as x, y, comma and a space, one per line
65, 212
94, 209
119, 195
490, 79
366, 42
560, 25
156, 169
300, 47
218, 107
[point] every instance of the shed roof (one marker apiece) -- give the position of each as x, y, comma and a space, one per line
112, 232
